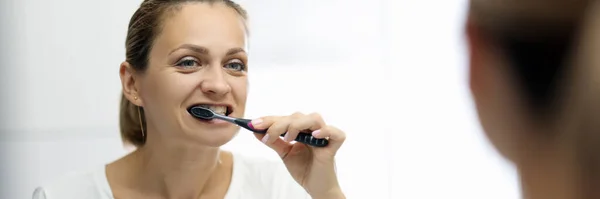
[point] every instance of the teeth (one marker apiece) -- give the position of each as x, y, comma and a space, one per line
217, 109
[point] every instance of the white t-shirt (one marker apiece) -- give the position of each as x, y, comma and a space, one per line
252, 178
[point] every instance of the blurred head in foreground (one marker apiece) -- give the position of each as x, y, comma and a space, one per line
535, 80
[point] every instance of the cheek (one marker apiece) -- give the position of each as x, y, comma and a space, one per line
168, 90
239, 88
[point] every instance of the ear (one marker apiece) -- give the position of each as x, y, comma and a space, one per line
129, 84
476, 63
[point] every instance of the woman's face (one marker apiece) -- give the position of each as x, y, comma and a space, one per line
199, 57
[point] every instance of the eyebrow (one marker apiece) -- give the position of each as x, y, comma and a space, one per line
204, 50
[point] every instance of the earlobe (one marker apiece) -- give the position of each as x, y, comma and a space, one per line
128, 83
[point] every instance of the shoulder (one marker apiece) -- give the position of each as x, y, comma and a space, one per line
88, 184
269, 175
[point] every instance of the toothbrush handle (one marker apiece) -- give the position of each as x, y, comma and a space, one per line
303, 137
309, 139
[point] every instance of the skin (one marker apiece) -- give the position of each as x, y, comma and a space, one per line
200, 57
547, 167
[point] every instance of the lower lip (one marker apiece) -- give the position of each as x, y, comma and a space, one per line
212, 122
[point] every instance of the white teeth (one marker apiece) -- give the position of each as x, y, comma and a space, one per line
217, 109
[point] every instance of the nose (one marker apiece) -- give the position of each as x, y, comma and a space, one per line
214, 83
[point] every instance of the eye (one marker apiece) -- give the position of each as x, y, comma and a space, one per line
235, 64
188, 63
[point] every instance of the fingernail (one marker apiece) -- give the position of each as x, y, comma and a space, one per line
255, 122
316, 133
265, 139
286, 138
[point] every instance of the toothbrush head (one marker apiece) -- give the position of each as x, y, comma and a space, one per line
201, 112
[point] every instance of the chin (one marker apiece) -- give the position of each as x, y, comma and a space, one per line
216, 138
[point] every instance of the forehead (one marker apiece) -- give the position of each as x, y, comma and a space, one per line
214, 26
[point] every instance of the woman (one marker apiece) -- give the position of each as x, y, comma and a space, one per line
182, 53
534, 75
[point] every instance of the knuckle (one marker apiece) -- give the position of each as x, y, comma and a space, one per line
316, 116
294, 126
270, 119
297, 114
331, 128
342, 136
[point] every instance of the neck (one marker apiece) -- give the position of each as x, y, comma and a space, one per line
173, 169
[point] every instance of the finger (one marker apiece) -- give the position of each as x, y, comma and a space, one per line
279, 146
272, 137
302, 123
276, 129
335, 136
264, 122
293, 131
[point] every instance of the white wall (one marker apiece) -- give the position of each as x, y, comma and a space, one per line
391, 73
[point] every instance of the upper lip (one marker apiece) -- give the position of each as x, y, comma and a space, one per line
229, 106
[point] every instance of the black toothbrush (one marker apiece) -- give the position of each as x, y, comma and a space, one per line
207, 114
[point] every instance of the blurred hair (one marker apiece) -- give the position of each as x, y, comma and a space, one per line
542, 42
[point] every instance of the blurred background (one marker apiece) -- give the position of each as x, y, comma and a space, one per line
391, 73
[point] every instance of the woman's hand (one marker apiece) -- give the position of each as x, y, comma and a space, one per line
311, 167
